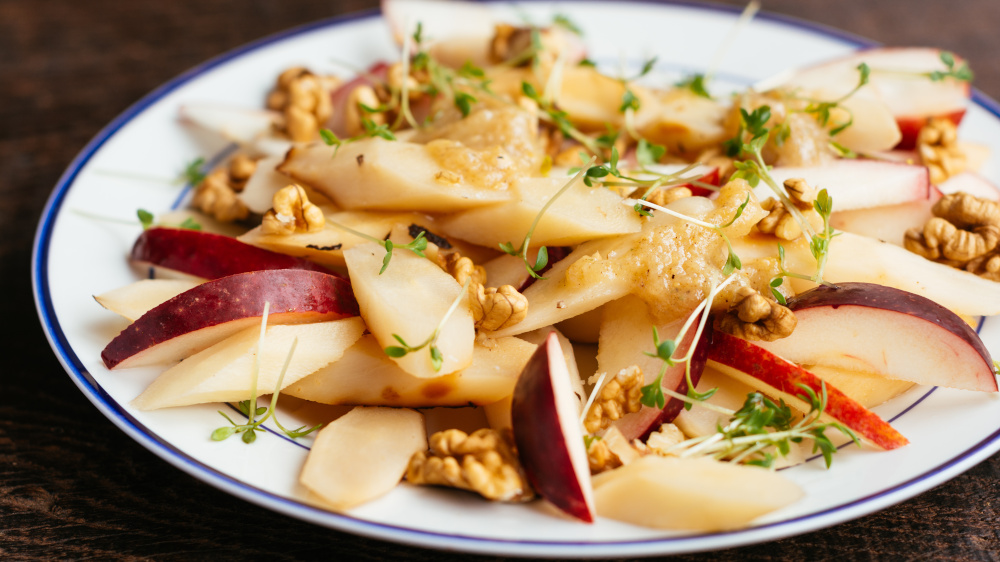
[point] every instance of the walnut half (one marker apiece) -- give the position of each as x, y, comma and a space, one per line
292, 212
757, 318
964, 228
483, 462
619, 396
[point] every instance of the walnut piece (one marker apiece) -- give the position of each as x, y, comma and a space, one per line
619, 396
937, 145
964, 227
483, 462
495, 308
600, 457
757, 318
661, 441
292, 212
462, 268
216, 196
779, 221
304, 99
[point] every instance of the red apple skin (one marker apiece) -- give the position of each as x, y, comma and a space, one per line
875, 296
910, 127
539, 435
237, 300
208, 255
785, 376
711, 178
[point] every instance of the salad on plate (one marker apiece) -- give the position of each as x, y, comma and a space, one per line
648, 297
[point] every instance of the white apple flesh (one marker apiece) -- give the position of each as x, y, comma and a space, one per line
545, 415
859, 184
890, 332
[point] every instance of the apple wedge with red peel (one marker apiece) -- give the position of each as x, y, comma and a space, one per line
899, 78
198, 318
135, 299
546, 423
777, 377
888, 223
859, 184
889, 332
709, 175
209, 256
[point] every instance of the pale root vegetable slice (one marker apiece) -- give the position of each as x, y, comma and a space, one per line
576, 284
873, 128
222, 373
681, 120
858, 258
690, 494
366, 376
362, 455
581, 213
135, 299
409, 300
241, 125
265, 181
386, 175
327, 246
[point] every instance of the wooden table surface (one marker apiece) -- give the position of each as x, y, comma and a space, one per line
73, 486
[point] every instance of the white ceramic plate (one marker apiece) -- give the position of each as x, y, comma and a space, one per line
77, 256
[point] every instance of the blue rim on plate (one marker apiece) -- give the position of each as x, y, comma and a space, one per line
687, 543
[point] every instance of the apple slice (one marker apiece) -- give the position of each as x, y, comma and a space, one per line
859, 184
970, 182
889, 332
135, 299
366, 376
868, 389
545, 415
258, 193
409, 300
898, 77
222, 372
213, 311
362, 455
777, 377
209, 256
888, 223
440, 20
709, 175
859, 258
691, 494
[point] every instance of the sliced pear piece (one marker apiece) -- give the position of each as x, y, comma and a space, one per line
362, 455
690, 494
365, 375
222, 373
409, 300
581, 213
387, 175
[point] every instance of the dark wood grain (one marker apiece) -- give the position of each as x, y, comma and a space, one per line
72, 486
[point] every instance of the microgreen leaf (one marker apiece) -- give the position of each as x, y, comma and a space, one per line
193, 174
190, 224
463, 102
563, 21
695, 83
647, 153
145, 218
629, 101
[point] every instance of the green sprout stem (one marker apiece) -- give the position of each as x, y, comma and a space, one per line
417, 245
